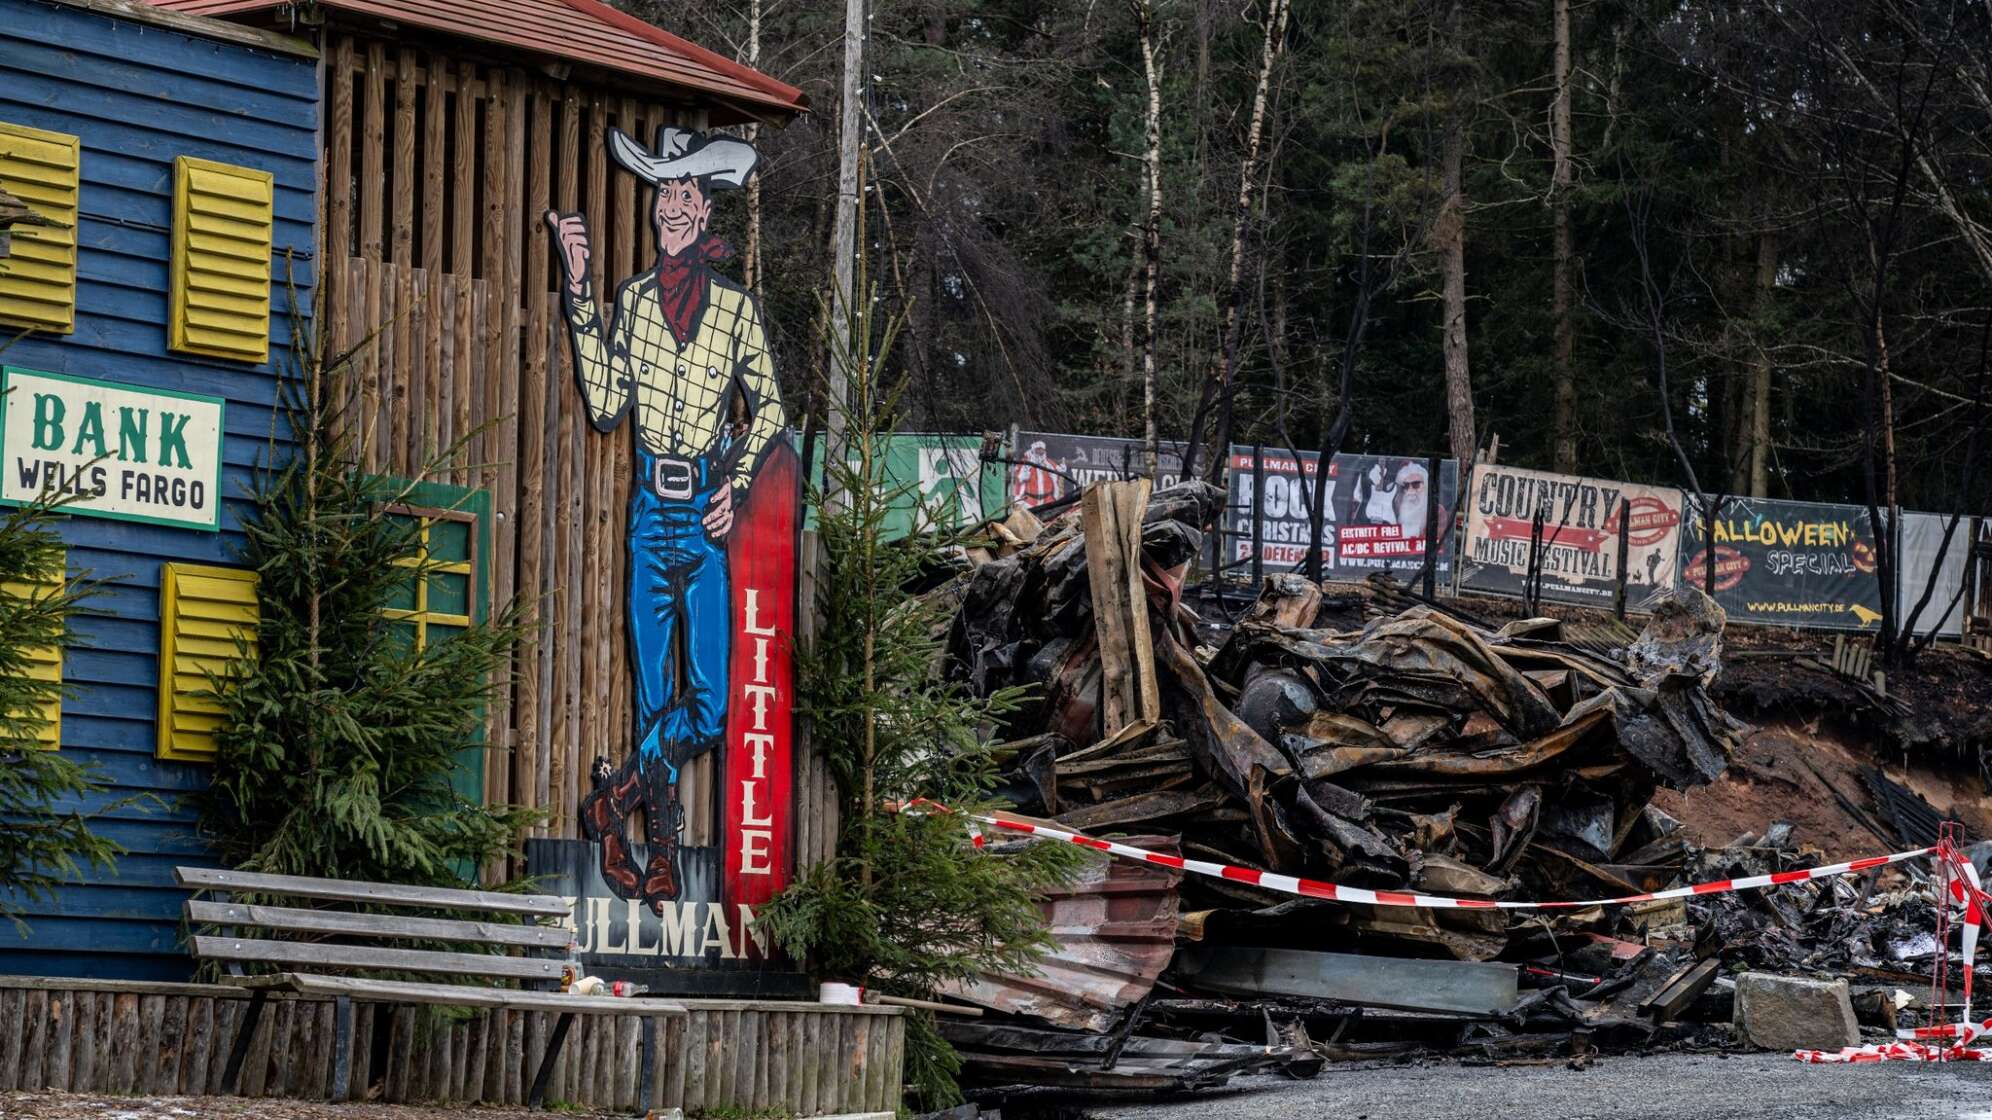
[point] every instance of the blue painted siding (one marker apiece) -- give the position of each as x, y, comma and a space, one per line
140, 95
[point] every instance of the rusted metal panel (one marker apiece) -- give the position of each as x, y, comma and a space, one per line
1115, 927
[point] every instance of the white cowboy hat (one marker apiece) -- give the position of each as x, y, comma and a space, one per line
683, 154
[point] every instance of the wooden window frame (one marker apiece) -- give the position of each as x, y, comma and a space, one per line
422, 566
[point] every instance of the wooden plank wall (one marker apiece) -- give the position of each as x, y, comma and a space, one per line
447, 165
173, 1039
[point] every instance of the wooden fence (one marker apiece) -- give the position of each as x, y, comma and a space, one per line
438, 171
172, 1039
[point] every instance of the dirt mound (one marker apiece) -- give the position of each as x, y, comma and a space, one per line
1808, 772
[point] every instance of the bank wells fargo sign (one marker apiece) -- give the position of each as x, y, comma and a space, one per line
680, 353
1579, 549
118, 451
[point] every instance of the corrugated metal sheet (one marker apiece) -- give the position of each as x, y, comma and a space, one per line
583, 31
1115, 925
139, 95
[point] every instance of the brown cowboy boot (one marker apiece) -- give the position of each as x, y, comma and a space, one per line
660, 875
603, 814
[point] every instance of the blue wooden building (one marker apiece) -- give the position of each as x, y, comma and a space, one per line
212, 164
182, 156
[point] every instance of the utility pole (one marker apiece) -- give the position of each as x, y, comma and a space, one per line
753, 131
844, 234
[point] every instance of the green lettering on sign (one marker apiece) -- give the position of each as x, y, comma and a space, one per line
49, 410
91, 431
132, 423
173, 440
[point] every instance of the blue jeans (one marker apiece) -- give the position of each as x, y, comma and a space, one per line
679, 618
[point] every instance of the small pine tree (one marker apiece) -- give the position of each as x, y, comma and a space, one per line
339, 739
908, 904
46, 839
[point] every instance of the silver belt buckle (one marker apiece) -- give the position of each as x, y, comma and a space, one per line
673, 478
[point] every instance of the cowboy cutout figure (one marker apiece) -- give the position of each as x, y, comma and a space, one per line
685, 350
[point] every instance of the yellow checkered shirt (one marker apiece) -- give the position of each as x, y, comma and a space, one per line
679, 393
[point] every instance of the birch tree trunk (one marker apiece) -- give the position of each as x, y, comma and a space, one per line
1248, 175
1760, 371
1130, 296
1891, 489
1559, 195
1151, 229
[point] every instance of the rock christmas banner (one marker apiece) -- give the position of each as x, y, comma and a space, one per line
1374, 520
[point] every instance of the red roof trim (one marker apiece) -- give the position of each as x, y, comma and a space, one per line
675, 61
661, 37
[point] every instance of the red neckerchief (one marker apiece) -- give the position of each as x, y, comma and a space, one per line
681, 284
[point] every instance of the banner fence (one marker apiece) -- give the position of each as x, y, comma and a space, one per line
1806, 565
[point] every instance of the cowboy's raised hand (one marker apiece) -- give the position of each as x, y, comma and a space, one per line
570, 233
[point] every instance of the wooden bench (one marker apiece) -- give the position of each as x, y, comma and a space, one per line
541, 956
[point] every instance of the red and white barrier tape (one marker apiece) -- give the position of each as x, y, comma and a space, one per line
1916, 1044
1315, 888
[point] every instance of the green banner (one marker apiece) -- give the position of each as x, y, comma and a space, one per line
940, 482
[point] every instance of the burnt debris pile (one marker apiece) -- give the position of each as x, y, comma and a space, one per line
1365, 739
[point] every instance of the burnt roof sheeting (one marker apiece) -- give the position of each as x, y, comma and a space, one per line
580, 31
1114, 931
1914, 820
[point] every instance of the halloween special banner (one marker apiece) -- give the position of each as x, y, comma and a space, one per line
1807, 564
1374, 512
1579, 535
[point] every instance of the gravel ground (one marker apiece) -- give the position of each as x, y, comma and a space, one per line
83, 1106
1667, 1087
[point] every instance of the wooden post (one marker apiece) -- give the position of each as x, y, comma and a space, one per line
398, 401
373, 171
1433, 466
530, 712
342, 1047
1708, 545
435, 325
1258, 515
546, 1063
245, 1031
1625, 556
336, 240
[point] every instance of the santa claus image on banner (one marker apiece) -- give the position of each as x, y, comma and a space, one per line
1038, 479
1393, 497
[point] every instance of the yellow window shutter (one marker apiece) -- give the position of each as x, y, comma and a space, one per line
222, 222
203, 612
38, 277
45, 663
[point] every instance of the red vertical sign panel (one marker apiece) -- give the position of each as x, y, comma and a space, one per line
761, 557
